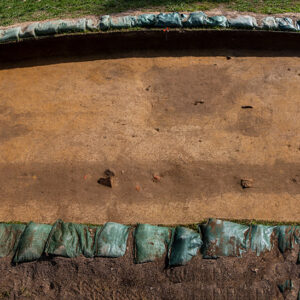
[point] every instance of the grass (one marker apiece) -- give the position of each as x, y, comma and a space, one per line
15, 11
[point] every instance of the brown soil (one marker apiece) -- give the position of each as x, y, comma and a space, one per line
249, 277
184, 117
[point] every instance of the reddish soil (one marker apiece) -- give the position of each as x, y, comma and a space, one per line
185, 119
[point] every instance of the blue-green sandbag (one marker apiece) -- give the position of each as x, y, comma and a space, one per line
71, 240
112, 240
105, 22
243, 22
32, 242
123, 22
269, 23
184, 247
216, 21
168, 20
286, 237
66, 26
151, 242
262, 238
195, 19
224, 238
28, 31
10, 35
9, 238
285, 24
146, 20
92, 25
47, 28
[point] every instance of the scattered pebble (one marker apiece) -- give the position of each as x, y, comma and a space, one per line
246, 183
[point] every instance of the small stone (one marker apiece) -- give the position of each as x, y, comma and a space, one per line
246, 183
156, 178
109, 173
105, 181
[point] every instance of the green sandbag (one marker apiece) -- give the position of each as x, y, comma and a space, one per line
123, 22
168, 20
10, 35
216, 21
262, 238
287, 285
243, 22
224, 238
47, 28
105, 22
28, 32
146, 20
112, 240
32, 242
66, 26
9, 238
269, 23
70, 240
92, 25
151, 242
286, 237
185, 246
196, 19
286, 24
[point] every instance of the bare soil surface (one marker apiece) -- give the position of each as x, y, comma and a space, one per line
249, 277
200, 124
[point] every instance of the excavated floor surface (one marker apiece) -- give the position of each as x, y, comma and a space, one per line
178, 132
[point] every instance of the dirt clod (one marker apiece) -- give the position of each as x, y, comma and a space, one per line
109, 173
156, 178
106, 181
198, 102
246, 183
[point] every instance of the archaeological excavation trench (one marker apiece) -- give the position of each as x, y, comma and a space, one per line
177, 127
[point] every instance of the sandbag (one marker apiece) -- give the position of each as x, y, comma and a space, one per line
269, 23
285, 24
216, 21
10, 34
105, 22
71, 240
92, 25
168, 20
196, 19
47, 28
262, 238
123, 22
286, 237
9, 238
66, 26
28, 31
224, 238
146, 20
151, 242
32, 242
112, 240
243, 22
184, 247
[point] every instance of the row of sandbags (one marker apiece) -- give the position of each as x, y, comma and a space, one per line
214, 239
162, 20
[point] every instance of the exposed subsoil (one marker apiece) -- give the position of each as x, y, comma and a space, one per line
180, 131
249, 277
